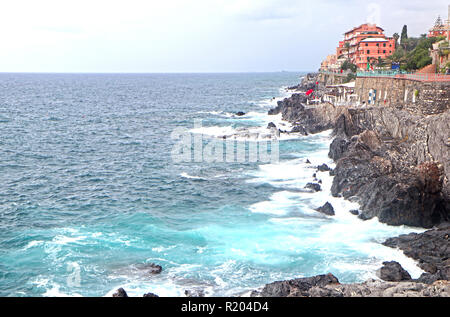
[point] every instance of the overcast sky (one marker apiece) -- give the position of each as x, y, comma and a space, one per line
191, 35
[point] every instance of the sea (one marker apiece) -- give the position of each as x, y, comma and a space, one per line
91, 192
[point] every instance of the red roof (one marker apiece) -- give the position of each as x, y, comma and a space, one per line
355, 28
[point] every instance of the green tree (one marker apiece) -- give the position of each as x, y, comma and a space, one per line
347, 48
349, 65
419, 57
404, 35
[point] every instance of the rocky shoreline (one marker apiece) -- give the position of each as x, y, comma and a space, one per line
396, 165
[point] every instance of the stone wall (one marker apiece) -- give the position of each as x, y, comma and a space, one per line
417, 97
332, 79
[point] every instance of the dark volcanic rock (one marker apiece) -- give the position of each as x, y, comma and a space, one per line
323, 168
120, 293
150, 295
428, 278
431, 249
299, 129
393, 272
338, 148
194, 293
271, 125
354, 212
153, 268
315, 187
326, 209
240, 113
395, 194
296, 287
328, 286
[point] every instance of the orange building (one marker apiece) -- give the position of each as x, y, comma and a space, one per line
439, 29
365, 44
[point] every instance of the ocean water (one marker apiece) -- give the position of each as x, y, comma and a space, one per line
89, 191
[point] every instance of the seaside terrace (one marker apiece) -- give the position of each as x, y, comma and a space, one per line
426, 77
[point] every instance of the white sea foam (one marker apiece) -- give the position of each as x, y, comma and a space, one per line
51, 288
162, 248
171, 283
272, 102
251, 133
219, 113
33, 244
186, 175
342, 230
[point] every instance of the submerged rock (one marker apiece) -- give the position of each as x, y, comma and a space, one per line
393, 272
240, 114
194, 293
354, 212
152, 268
150, 295
315, 187
326, 209
120, 293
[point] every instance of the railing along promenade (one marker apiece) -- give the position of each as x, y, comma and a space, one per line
405, 75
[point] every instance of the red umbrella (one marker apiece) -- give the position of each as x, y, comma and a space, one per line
309, 92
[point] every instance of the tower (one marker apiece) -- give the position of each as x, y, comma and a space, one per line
438, 24
448, 23
448, 17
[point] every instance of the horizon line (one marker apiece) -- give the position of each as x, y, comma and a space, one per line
169, 72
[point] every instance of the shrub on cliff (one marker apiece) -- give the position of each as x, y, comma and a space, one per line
419, 57
414, 53
347, 65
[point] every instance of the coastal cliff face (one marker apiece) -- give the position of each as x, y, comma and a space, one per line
394, 162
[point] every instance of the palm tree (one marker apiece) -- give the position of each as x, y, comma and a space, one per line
396, 37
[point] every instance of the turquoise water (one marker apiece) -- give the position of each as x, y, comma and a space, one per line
89, 191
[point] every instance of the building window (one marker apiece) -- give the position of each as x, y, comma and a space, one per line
384, 51
368, 51
384, 45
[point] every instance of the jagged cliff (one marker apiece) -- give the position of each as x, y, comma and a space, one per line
395, 163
